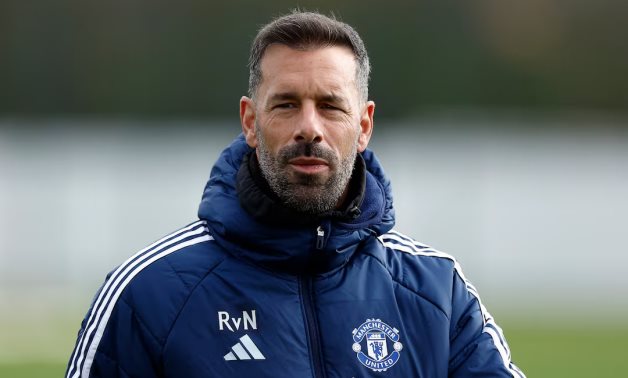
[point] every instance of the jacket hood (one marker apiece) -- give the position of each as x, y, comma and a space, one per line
298, 248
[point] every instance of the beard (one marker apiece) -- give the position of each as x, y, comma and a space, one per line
308, 193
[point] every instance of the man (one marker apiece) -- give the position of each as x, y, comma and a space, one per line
292, 269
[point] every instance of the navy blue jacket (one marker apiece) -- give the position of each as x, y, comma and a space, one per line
230, 296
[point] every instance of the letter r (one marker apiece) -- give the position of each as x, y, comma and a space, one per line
223, 319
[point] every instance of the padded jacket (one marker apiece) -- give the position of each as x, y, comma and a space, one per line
233, 295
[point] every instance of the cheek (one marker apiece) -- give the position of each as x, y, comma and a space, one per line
275, 133
349, 140
273, 143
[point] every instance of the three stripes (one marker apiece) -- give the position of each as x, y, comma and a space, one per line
98, 316
402, 243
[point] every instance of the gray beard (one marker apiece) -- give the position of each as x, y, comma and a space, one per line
308, 194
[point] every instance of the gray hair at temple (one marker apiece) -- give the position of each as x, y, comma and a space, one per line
304, 31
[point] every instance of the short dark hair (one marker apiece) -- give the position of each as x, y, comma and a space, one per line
305, 30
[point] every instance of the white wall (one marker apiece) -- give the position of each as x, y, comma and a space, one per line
537, 215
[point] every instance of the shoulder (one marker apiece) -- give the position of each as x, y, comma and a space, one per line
184, 251
159, 278
141, 298
429, 272
404, 254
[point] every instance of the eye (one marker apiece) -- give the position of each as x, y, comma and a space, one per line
285, 105
329, 107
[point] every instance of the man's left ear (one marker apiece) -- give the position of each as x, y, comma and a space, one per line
366, 125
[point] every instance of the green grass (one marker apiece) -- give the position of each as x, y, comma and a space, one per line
563, 351
32, 370
570, 351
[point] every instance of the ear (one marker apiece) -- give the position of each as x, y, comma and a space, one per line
366, 125
247, 119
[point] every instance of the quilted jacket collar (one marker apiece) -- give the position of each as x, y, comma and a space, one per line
290, 242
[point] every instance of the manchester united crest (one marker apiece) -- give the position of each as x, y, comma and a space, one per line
377, 345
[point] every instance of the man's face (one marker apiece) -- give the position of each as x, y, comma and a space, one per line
307, 123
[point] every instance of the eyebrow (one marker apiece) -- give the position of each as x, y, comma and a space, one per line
292, 96
283, 96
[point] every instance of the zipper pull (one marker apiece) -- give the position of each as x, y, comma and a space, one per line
320, 237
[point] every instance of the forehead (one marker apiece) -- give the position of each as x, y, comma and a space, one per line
326, 69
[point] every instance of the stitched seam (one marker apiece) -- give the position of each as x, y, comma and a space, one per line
187, 299
113, 360
139, 319
400, 283
421, 296
177, 273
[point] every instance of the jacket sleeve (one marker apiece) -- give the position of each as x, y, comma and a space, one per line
477, 344
113, 341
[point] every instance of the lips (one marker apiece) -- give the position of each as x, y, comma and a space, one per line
307, 161
308, 164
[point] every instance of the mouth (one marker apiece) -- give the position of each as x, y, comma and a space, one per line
308, 165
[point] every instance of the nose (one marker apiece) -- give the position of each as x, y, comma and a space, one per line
309, 126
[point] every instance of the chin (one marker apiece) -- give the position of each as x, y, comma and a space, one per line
310, 180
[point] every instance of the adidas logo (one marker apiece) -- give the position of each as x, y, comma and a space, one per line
244, 350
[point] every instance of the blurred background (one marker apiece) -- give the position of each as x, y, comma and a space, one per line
503, 125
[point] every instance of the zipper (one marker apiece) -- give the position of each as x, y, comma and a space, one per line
320, 237
311, 326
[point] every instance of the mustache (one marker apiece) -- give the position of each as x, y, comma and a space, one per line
314, 150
